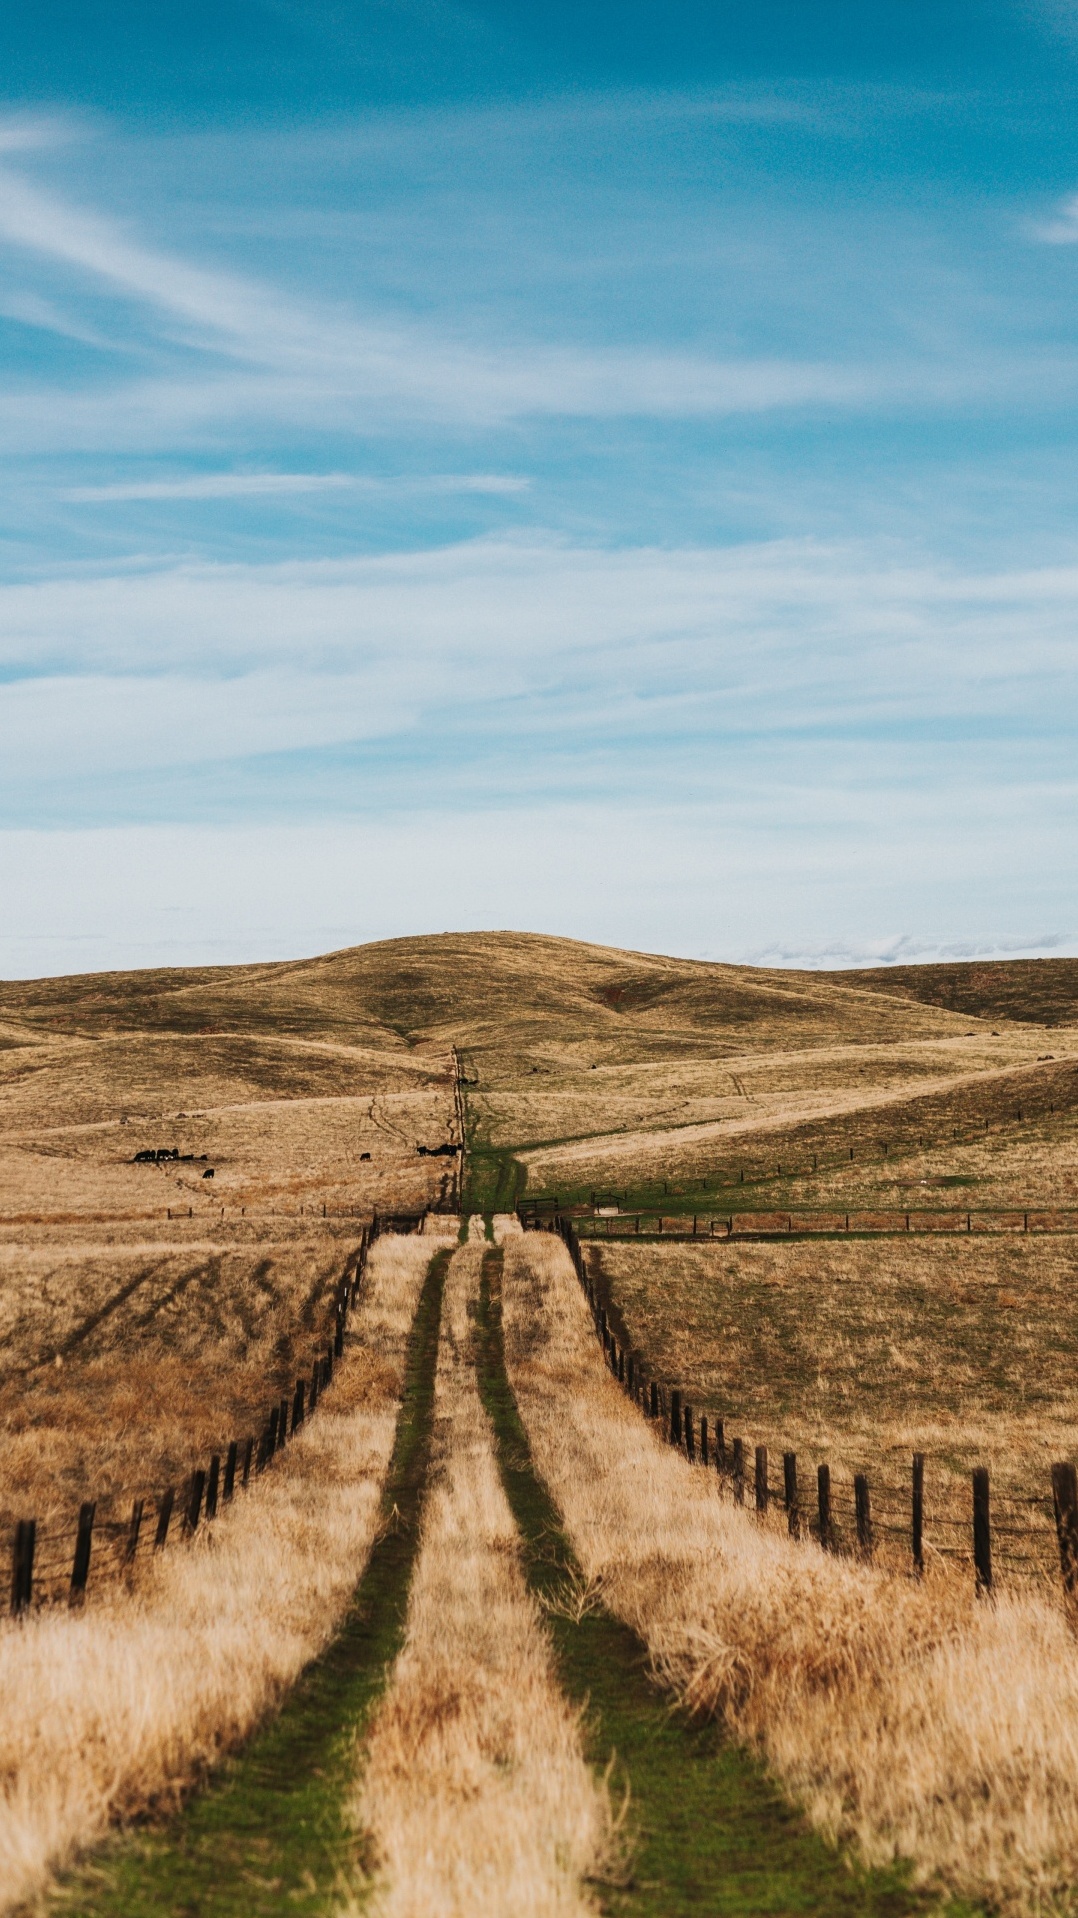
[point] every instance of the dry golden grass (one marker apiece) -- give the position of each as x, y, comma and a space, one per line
115, 1709
911, 1720
861, 1353
475, 1793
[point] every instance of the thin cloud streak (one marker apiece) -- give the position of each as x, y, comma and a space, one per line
237, 485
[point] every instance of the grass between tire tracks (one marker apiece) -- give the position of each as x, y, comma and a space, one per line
269, 1833
708, 1831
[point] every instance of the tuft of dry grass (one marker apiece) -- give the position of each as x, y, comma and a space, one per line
475, 1791
910, 1720
114, 1710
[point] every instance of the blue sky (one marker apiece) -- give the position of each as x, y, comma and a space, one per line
606, 470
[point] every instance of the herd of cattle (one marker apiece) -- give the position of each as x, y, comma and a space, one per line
159, 1155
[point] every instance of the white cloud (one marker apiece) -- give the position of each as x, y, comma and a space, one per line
663, 879
237, 485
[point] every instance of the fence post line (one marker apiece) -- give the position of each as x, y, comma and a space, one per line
863, 1508
918, 1514
789, 1487
982, 1531
1065, 1499
823, 1503
80, 1570
761, 1478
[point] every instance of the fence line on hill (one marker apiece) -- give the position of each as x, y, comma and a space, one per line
832, 1222
904, 1137
53, 1564
853, 1518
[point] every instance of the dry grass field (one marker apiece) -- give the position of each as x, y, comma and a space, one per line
906, 1716
113, 1710
149, 1314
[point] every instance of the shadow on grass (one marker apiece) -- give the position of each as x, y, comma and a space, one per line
269, 1833
708, 1831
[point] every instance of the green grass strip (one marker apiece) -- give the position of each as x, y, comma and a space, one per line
269, 1833
710, 1833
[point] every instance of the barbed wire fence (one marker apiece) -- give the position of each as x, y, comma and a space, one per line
1027, 1537
53, 1563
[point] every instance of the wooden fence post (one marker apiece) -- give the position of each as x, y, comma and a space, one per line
282, 1424
271, 1431
212, 1484
789, 1487
823, 1503
690, 1437
675, 1418
230, 1470
738, 1474
298, 1406
80, 1570
164, 1515
133, 1530
248, 1454
629, 1376
654, 1402
918, 1526
761, 1478
982, 1531
863, 1508
1065, 1499
720, 1446
316, 1379
22, 1567
703, 1441
194, 1502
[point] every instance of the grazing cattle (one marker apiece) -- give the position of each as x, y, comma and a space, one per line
208, 1174
364, 1155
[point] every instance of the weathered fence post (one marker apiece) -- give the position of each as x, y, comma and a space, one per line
863, 1508
80, 1570
630, 1380
703, 1441
653, 1411
212, 1484
1065, 1499
230, 1470
194, 1502
720, 1446
690, 1438
133, 1530
761, 1478
271, 1431
789, 1488
738, 1473
918, 1526
22, 1567
282, 1424
164, 1515
675, 1418
823, 1504
298, 1406
982, 1531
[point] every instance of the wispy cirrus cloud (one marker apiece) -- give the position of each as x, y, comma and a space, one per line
201, 486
